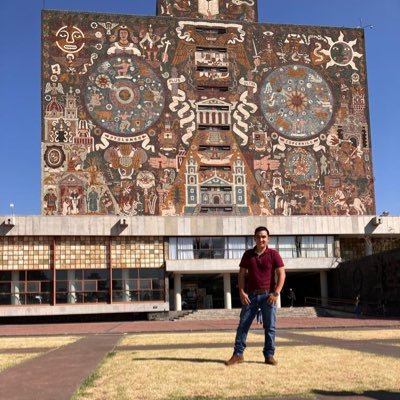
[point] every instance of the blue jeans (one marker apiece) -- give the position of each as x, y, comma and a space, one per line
247, 316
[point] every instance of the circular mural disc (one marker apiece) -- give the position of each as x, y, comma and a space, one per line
296, 101
54, 156
124, 95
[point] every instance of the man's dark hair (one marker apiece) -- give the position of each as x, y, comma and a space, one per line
261, 228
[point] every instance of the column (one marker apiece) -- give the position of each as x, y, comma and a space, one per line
369, 250
336, 248
278, 302
71, 287
125, 285
177, 291
227, 291
323, 279
15, 299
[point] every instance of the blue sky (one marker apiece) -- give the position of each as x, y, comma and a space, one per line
20, 88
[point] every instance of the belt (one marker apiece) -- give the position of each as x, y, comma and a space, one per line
259, 291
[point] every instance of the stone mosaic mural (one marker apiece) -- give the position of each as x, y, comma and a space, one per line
171, 116
244, 10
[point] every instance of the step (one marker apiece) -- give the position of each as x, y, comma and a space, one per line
218, 314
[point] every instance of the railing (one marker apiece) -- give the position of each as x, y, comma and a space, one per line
347, 306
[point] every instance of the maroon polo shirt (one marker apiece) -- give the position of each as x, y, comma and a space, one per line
261, 269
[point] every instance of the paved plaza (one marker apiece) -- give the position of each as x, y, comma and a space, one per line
56, 374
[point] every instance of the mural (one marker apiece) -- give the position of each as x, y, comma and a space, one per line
243, 10
214, 115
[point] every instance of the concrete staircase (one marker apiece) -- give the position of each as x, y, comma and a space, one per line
218, 314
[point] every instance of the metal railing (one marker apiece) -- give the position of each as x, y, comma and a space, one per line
347, 306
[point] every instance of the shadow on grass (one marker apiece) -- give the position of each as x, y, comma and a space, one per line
369, 394
315, 395
192, 360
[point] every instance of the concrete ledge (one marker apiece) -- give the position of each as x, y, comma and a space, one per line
197, 226
211, 266
77, 309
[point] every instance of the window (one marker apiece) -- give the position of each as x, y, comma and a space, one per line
215, 168
209, 247
210, 30
286, 245
316, 246
82, 286
212, 88
26, 287
143, 284
204, 147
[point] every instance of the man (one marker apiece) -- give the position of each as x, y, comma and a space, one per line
291, 297
261, 265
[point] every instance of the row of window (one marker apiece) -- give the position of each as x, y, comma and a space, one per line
189, 248
81, 286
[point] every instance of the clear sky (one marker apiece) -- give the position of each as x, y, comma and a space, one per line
20, 129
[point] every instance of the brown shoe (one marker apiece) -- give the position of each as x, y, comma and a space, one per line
235, 359
270, 360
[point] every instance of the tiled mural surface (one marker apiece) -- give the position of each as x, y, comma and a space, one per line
23, 253
81, 252
172, 116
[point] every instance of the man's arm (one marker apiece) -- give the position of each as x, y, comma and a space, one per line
280, 275
244, 298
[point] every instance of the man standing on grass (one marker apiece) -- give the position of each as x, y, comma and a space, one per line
261, 265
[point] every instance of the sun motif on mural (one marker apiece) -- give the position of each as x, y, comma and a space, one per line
297, 101
341, 52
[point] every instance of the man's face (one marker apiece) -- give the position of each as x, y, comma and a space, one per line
261, 239
123, 34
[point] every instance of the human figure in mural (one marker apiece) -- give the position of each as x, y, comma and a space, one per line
149, 43
66, 206
166, 7
123, 45
50, 199
106, 203
93, 199
263, 269
182, 5
324, 165
75, 201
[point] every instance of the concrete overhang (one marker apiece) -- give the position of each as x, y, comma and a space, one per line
81, 309
220, 266
198, 225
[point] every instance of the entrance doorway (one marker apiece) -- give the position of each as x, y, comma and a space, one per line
202, 291
303, 284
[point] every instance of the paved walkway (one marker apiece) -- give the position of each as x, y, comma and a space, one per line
185, 326
58, 373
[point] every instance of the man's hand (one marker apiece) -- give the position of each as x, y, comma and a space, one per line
272, 298
244, 298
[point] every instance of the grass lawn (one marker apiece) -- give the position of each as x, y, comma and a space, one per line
199, 373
